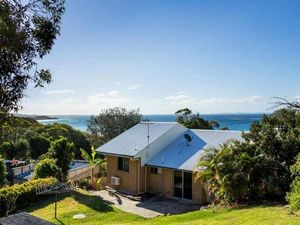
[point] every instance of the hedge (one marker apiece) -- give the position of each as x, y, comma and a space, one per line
19, 195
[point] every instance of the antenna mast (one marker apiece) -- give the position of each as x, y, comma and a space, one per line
148, 138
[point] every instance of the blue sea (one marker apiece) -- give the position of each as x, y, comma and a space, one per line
232, 121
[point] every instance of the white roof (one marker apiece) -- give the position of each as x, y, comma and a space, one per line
135, 139
184, 156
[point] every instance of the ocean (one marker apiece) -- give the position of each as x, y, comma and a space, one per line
240, 122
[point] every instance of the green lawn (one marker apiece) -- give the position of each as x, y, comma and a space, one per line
99, 212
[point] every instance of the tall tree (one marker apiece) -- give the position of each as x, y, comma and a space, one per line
62, 151
193, 120
27, 33
111, 122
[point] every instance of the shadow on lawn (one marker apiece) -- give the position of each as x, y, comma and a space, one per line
88, 200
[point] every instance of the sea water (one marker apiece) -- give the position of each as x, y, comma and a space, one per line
232, 121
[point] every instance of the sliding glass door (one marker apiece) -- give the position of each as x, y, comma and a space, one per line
182, 184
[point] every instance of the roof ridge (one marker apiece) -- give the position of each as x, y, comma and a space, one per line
233, 131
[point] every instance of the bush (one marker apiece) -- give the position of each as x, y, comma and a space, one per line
46, 168
294, 196
3, 172
20, 195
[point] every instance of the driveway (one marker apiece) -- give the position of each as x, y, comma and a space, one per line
148, 206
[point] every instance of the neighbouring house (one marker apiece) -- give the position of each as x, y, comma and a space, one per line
20, 171
160, 158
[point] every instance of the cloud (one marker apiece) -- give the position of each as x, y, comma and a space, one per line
109, 97
117, 83
179, 97
58, 92
134, 87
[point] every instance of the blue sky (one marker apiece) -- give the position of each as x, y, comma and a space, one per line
162, 55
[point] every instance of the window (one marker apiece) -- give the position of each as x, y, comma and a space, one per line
155, 170
123, 164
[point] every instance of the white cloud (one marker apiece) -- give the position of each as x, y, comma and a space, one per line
117, 83
109, 97
134, 87
58, 92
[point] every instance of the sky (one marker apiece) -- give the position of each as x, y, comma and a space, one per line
163, 55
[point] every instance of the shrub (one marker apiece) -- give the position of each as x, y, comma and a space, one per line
20, 195
294, 196
46, 168
2, 172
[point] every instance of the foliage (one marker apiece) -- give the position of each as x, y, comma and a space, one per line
259, 166
194, 121
293, 197
27, 33
46, 168
38, 146
19, 149
19, 195
110, 123
38, 136
3, 172
54, 131
62, 151
93, 162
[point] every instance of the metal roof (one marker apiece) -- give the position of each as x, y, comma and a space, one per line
184, 156
135, 139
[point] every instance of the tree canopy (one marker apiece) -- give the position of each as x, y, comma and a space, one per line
25, 138
110, 123
27, 33
193, 120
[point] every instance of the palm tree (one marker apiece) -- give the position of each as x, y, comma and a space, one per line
93, 162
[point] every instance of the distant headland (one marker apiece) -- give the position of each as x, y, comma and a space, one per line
37, 117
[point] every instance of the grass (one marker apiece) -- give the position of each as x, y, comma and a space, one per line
100, 212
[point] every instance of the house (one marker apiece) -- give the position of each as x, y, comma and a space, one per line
160, 158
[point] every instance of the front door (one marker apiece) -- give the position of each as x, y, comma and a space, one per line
182, 184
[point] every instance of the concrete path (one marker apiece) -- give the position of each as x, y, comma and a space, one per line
149, 208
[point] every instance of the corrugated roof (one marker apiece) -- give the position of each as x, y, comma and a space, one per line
184, 156
130, 142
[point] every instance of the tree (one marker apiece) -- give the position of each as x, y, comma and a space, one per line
39, 136
93, 161
112, 122
62, 151
194, 121
21, 149
258, 167
46, 168
3, 172
54, 131
27, 33
38, 146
